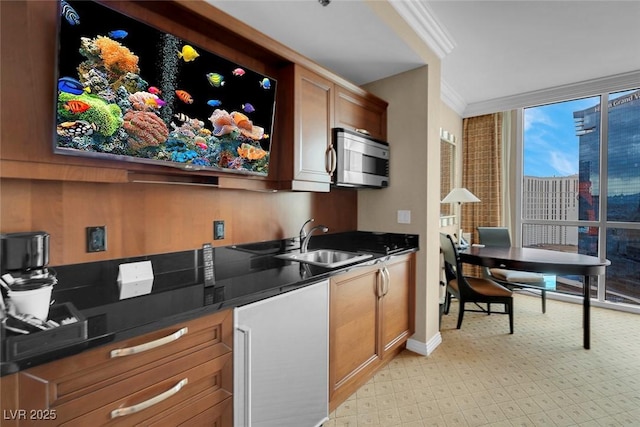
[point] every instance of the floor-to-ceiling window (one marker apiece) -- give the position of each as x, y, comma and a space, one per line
581, 186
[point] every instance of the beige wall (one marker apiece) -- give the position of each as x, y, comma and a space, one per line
415, 116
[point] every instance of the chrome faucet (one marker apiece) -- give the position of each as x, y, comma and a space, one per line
305, 237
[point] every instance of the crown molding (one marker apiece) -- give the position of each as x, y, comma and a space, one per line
452, 98
422, 20
619, 82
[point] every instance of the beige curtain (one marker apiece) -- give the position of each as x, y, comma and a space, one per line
482, 172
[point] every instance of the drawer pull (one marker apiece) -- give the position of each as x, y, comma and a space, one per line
119, 352
148, 403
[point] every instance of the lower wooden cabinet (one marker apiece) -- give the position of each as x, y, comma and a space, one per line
182, 374
371, 316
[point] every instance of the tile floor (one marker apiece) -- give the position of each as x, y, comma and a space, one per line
482, 376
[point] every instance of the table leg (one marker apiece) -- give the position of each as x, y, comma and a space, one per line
586, 314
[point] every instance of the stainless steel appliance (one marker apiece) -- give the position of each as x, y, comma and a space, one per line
362, 161
281, 360
25, 256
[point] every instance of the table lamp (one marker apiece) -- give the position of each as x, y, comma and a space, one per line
460, 195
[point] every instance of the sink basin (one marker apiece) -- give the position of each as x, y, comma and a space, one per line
328, 258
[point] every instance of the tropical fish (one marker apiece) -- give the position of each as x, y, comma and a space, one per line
202, 145
215, 79
188, 53
69, 13
154, 90
182, 117
184, 96
76, 128
248, 108
154, 102
87, 89
214, 102
118, 34
265, 83
70, 85
76, 106
238, 72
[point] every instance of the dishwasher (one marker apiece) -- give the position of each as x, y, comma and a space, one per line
281, 359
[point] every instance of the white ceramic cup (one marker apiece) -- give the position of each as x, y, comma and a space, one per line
35, 301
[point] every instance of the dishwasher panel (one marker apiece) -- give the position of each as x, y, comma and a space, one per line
281, 359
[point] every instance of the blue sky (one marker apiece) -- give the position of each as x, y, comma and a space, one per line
550, 141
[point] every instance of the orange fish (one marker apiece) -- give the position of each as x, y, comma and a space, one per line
76, 106
184, 96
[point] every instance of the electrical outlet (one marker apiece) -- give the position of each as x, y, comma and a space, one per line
97, 238
218, 230
404, 217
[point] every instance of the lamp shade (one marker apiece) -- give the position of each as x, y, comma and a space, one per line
460, 195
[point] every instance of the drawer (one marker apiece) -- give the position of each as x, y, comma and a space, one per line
92, 372
186, 394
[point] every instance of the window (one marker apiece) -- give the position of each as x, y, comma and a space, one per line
577, 171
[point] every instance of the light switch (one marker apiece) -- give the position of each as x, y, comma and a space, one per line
404, 217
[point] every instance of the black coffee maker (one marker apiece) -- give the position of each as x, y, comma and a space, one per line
25, 257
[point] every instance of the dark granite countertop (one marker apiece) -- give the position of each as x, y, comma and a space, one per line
242, 274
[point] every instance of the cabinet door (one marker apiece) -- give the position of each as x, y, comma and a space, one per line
354, 349
354, 111
312, 127
398, 303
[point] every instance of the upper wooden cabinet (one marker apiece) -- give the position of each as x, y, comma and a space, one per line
306, 156
360, 112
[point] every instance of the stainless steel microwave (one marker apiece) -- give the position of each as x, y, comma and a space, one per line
362, 161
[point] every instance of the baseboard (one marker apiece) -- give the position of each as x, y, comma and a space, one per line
422, 348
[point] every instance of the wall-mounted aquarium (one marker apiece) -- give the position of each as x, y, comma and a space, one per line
127, 91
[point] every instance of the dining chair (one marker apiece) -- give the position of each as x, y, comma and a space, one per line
472, 290
511, 279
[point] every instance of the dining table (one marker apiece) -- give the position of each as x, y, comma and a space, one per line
544, 261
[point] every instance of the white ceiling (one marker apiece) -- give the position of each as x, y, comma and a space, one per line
493, 49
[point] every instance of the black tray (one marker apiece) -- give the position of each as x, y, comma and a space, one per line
21, 346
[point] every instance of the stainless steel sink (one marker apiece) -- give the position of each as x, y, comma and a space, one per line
327, 258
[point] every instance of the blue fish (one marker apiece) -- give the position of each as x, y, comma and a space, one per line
69, 13
214, 102
265, 83
118, 34
248, 108
70, 85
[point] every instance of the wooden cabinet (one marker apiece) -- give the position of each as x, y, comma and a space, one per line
179, 374
307, 160
318, 104
360, 111
371, 317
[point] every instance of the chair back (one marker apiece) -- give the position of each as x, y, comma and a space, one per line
494, 236
452, 264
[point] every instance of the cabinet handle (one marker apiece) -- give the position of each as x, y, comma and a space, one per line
387, 280
330, 160
246, 332
120, 352
380, 283
148, 403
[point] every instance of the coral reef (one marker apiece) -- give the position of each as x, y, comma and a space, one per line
145, 129
144, 101
106, 117
225, 123
116, 58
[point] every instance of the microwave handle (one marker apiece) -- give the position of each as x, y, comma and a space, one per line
330, 159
